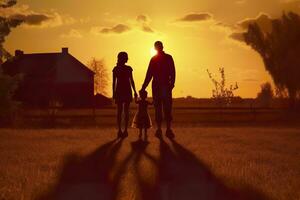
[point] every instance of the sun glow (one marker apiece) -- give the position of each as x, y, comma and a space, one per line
153, 52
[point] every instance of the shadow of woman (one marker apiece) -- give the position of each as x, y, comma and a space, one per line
87, 177
182, 176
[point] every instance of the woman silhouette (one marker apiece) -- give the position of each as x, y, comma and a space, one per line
122, 93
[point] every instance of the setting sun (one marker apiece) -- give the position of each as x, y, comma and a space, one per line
153, 52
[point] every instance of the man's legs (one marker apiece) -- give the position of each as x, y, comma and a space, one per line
157, 102
167, 106
158, 113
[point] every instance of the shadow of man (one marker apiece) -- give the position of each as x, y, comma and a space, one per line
196, 181
88, 177
182, 176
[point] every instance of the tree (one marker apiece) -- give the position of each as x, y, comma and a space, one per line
101, 77
220, 94
6, 24
266, 94
279, 50
8, 84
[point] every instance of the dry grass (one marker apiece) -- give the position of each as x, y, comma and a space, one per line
247, 161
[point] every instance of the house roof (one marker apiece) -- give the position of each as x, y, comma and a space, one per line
39, 64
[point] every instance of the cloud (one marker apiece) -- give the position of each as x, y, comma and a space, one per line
143, 23
31, 18
7, 3
263, 20
72, 34
147, 29
239, 36
118, 29
195, 17
142, 18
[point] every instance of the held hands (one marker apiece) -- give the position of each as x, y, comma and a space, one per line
141, 90
135, 95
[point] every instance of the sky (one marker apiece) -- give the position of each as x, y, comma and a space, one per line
199, 34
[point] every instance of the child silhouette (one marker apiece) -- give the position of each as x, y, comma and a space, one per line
142, 119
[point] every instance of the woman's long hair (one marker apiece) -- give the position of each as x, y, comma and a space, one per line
122, 58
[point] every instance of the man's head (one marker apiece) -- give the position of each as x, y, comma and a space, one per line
158, 45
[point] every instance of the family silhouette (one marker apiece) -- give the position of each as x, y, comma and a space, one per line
161, 71
113, 172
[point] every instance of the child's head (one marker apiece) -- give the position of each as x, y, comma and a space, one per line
122, 58
143, 94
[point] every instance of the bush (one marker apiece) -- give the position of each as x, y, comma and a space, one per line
221, 94
265, 96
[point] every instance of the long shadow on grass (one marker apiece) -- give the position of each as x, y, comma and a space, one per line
88, 177
182, 176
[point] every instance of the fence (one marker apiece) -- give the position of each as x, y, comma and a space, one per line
182, 116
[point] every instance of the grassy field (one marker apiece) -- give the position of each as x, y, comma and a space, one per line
201, 163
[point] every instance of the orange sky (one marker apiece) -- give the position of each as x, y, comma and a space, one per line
196, 33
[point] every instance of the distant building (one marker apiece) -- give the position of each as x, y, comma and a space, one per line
51, 77
101, 101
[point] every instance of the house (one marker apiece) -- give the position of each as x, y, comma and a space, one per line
101, 101
51, 77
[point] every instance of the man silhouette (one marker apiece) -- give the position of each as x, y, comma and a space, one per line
162, 69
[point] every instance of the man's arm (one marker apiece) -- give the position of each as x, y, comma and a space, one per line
148, 75
172, 72
114, 85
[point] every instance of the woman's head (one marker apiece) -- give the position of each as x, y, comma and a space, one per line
143, 94
122, 58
